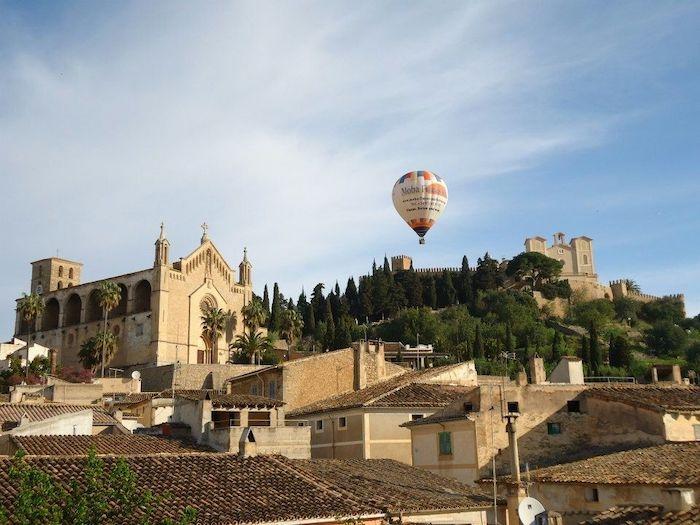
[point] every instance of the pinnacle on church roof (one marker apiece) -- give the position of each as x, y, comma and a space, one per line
204, 227
245, 254
162, 231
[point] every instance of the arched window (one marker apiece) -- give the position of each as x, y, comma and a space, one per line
60, 271
50, 317
142, 297
585, 259
70, 273
60, 285
120, 309
72, 309
207, 303
94, 310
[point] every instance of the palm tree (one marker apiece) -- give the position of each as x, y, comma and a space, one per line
213, 324
109, 295
253, 345
292, 325
254, 315
101, 344
30, 307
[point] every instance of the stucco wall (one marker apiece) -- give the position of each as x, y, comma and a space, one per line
680, 427
461, 465
72, 424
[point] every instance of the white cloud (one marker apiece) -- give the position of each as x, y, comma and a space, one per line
284, 125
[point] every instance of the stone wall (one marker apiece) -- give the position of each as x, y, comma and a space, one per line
191, 377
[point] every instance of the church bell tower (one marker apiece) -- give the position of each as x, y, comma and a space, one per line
245, 270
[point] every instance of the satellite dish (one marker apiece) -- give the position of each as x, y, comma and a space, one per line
135, 375
528, 511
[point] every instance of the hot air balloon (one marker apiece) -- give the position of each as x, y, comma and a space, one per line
420, 198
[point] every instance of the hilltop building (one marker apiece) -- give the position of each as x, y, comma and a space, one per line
157, 320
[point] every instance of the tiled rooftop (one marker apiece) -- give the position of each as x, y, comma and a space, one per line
672, 398
13, 412
670, 464
405, 390
227, 489
230, 400
110, 444
645, 515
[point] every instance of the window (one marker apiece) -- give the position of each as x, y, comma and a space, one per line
254, 390
60, 285
469, 407
560, 251
585, 261
60, 271
591, 494
445, 440
415, 417
573, 406
513, 407
70, 273
553, 429
342, 422
272, 389
319, 425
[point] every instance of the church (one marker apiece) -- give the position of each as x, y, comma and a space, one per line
158, 319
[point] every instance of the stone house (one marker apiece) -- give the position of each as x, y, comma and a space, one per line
246, 424
664, 475
366, 423
228, 489
57, 419
310, 379
554, 421
158, 318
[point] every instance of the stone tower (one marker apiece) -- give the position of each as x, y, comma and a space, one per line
54, 274
245, 270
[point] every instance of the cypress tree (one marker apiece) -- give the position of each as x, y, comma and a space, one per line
276, 310
478, 343
557, 346
318, 301
352, 298
447, 296
330, 325
509, 345
343, 333
596, 355
266, 303
310, 321
620, 352
386, 268
365, 299
430, 293
585, 351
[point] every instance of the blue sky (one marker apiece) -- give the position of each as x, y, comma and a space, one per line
285, 124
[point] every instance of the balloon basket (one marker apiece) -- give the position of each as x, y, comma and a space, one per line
421, 241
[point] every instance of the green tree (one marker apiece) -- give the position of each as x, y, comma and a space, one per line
585, 351
632, 286
509, 345
109, 295
276, 309
100, 495
620, 352
626, 310
254, 315
291, 327
488, 275
329, 339
558, 347
430, 293
412, 289
598, 312
534, 268
30, 307
353, 298
253, 346
213, 322
447, 295
665, 338
479, 350
465, 293
595, 350
318, 301
343, 332
664, 309
366, 302
266, 301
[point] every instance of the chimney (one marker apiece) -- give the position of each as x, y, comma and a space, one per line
359, 373
679, 499
537, 375
379, 360
52, 360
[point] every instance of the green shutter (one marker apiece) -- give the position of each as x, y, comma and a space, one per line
445, 443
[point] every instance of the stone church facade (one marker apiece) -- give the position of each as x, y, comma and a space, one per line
158, 320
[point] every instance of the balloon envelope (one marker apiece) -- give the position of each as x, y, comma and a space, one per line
420, 198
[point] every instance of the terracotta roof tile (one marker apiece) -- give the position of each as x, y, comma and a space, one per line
670, 464
672, 398
227, 489
393, 486
405, 390
645, 515
230, 400
13, 412
112, 444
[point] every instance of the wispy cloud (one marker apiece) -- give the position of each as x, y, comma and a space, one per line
284, 125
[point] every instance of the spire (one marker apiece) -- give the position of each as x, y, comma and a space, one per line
245, 254
205, 237
162, 248
244, 269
